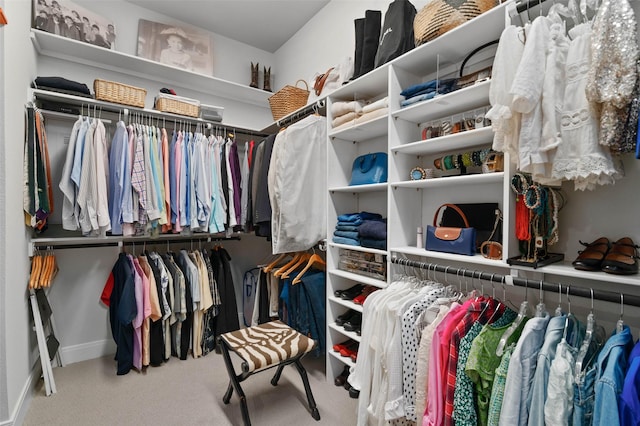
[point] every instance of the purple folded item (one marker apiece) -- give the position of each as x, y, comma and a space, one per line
373, 229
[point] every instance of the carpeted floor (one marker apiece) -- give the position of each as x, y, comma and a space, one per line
185, 393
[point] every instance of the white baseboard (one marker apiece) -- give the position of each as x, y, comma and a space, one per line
86, 351
22, 406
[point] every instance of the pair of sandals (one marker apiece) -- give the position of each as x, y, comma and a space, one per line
619, 257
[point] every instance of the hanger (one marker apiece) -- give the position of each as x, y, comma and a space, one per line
620, 323
36, 266
281, 270
304, 257
586, 342
314, 259
275, 262
540, 307
524, 307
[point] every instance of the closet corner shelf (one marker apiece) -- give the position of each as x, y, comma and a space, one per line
341, 330
358, 278
476, 259
359, 248
343, 359
475, 179
455, 45
566, 270
374, 187
365, 87
462, 100
347, 303
59, 47
449, 143
363, 131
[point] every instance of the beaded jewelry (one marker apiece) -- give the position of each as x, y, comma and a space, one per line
448, 162
533, 197
457, 160
519, 183
466, 159
475, 157
417, 173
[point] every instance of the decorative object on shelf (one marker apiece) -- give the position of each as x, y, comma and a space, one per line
441, 16
419, 240
368, 264
119, 93
255, 75
369, 168
70, 20
417, 173
494, 162
451, 239
320, 80
288, 99
187, 48
267, 79
492, 247
177, 105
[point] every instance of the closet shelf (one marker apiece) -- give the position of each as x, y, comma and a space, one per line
454, 46
341, 330
64, 48
459, 101
343, 359
358, 278
367, 86
367, 130
566, 270
359, 248
347, 303
476, 259
449, 143
356, 189
475, 179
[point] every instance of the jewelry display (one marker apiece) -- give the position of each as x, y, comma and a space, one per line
469, 120
417, 173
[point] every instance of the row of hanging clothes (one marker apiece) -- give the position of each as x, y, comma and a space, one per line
564, 103
146, 179
168, 304
289, 287
432, 354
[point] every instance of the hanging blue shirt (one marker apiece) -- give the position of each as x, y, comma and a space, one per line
76, 171
117, 159
629, 402
610, 369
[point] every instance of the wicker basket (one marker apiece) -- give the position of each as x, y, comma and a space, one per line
177, 105
441, 16
119, 93
288, 99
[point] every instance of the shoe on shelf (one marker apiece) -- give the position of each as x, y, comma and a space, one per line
590, 259
359, 299
622, 258
341, 319
342, 377
354, 322
344, 345
350, 352
355, 290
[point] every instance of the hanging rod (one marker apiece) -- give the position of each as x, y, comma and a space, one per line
607, 296
315, 107
523, 5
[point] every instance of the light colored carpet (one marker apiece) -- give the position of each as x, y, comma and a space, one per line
185, 392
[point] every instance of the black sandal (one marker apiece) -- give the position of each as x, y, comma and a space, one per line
591, 258
622, 259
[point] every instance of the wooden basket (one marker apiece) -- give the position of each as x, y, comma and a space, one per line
119, 93
288, 99
177, 105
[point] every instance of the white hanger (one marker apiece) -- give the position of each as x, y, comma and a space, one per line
586, 342
620, 323
524, 307
540, 307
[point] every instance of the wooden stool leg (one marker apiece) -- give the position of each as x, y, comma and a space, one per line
276, 377
307, 388
234, 383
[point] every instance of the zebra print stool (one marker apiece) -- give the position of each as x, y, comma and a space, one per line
261, 347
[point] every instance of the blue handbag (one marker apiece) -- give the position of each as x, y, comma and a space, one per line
450, 239
369, 168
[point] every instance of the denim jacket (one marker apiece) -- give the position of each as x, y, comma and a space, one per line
610, 370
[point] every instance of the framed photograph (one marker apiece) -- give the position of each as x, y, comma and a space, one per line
184, 48
67, 19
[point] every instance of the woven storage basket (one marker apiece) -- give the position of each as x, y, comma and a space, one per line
119, 93
177, 105
288, 99
441, 16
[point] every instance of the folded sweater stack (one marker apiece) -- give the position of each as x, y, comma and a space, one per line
427, 90
348, 226
352, 113
361, 229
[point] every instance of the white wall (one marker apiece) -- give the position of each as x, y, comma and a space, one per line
19, 61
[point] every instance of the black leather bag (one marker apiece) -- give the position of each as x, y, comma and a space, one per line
481, 216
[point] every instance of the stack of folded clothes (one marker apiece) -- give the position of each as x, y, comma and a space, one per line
427, 90
352, 113
348, 226
373, 234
